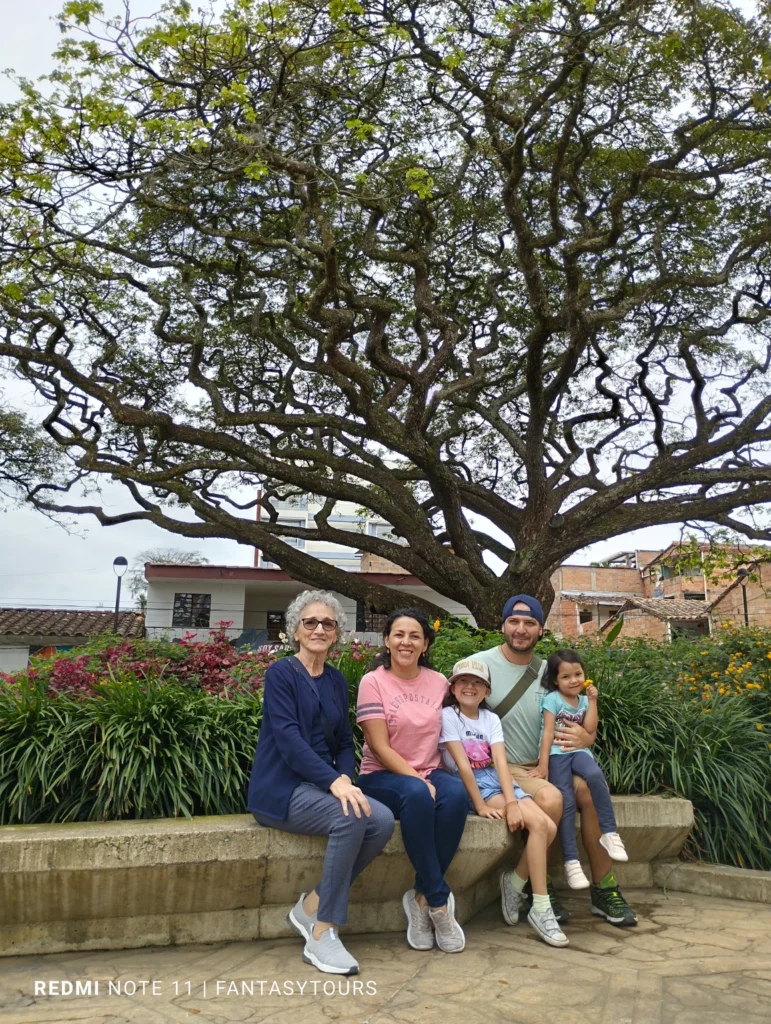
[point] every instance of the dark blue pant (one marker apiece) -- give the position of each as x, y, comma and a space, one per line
562, 768
431, 830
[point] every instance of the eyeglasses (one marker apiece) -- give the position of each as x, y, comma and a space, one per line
328, 625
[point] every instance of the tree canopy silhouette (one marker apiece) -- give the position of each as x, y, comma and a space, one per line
496, 271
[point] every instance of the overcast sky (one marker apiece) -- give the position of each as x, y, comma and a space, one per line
42, 564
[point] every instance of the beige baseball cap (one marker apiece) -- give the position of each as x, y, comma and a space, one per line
470, 667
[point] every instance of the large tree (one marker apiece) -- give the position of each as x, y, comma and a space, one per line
497, 272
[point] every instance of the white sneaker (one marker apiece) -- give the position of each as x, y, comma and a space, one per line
299, 920
513, 902
574, 875
328, 954
449, 934
420, 934
614, 846
545, 925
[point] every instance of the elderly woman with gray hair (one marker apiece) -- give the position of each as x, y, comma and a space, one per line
302, 775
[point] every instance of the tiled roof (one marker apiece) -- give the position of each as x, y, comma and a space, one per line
670, 608
60, 622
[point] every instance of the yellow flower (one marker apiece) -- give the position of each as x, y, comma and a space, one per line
437, 624
588, 682
715, 675
703, 652
759, 726
707, 711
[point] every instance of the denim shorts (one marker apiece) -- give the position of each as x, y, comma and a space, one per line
489, 785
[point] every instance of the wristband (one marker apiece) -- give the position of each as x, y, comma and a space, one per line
512, 803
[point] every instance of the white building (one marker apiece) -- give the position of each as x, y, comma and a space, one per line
299, 512
184, 599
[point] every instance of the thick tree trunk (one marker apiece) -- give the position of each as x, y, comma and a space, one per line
487, 610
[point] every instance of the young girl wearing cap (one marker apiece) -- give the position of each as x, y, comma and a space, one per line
472, 747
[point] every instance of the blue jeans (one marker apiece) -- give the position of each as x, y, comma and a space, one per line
431, 830
562, 768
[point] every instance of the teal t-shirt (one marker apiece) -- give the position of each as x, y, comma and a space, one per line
564, 712
522, 725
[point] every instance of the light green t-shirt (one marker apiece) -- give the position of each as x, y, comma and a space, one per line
522, 725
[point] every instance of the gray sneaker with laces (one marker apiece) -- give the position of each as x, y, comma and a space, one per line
449, 934
299, 920
512, 901
328, 954
545, 924
420, 934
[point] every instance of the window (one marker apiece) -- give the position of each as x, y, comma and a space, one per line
688, 628
276, 625
368, 620
296, 501
384, 530
693, 595
297, 524
585, 615
191, 610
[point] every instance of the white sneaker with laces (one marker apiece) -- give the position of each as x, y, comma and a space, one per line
574, 875
420, 934
613, 844
449, 934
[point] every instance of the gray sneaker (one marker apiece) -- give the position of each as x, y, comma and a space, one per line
545, 924
420, 934
328, 954
299, 920
512, 901
449, 934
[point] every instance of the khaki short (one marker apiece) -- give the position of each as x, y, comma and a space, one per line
527, 783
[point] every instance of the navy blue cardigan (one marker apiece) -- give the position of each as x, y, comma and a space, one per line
284, 757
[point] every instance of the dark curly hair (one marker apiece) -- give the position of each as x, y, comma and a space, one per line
553, 663
384, 657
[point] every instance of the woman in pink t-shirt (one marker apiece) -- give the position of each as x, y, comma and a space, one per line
400, 711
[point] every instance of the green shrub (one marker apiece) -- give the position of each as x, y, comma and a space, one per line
138, 750
124, 729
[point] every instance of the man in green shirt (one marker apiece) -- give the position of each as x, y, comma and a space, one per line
522, 628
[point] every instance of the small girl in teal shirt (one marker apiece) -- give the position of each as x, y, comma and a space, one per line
566, 702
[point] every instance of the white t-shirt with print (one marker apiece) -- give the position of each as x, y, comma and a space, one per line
476, 734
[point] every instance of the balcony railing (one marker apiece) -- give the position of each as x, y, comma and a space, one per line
201, 632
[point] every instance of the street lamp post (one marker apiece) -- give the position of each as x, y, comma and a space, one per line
119, 567
742, 575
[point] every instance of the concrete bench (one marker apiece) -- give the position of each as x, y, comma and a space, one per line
124, 884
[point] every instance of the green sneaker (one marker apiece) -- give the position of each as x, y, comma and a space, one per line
610, 904
561, 915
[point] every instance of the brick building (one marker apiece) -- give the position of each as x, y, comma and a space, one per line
675, 601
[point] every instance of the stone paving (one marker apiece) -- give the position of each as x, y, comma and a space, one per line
691, 960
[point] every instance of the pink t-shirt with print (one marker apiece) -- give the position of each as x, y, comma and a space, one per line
412, 711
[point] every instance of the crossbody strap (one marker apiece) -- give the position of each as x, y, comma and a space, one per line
523, 683
326, 725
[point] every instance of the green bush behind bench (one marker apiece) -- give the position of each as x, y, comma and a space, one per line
143, 729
